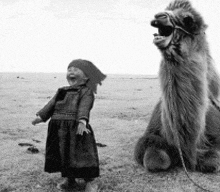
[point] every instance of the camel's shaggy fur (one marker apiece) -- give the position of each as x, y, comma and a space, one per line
187, 111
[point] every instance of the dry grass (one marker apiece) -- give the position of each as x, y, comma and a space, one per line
120, 115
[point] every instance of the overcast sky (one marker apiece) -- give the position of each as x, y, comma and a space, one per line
46, 35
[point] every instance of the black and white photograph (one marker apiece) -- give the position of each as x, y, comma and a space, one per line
109, 96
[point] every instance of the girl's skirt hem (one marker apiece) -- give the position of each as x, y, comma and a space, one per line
85, 172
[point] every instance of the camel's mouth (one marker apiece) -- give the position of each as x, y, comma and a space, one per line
165, 31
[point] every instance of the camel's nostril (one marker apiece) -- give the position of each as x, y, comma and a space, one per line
161, 16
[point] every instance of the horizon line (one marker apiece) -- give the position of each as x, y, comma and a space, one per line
65, 72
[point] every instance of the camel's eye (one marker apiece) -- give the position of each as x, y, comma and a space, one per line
188, 21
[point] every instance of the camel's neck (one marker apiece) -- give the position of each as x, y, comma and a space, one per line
184, 88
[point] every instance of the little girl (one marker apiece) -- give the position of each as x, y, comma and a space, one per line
70, 146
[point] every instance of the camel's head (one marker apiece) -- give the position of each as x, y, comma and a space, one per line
177, 22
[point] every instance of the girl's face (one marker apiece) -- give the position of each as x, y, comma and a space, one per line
75, 75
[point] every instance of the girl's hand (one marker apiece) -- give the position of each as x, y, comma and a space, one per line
82, 128
37, 120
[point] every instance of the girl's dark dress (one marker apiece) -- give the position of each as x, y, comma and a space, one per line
66, 152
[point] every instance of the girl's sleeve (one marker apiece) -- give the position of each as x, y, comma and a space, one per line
85, 105
47, 111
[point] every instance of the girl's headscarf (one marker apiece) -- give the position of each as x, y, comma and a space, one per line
91, 71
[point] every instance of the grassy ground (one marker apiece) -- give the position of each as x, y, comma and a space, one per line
122, 110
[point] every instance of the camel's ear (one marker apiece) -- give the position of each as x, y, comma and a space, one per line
205, 27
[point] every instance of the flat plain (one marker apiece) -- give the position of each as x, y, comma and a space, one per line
120, 115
